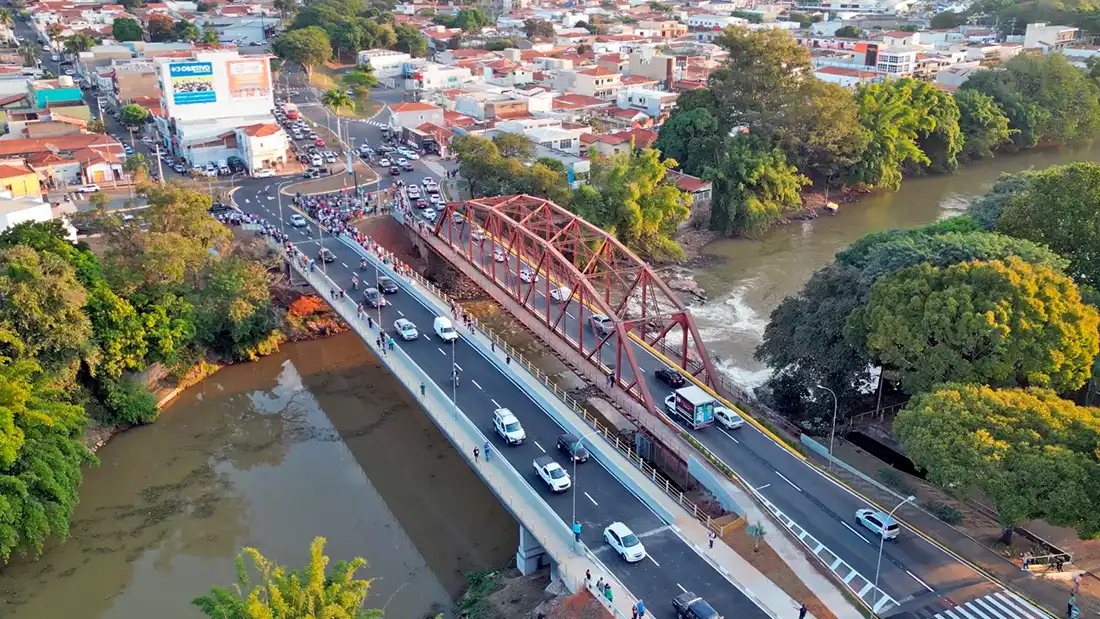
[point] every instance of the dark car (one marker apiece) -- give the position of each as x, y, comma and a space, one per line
672, 378
312, 174
408, 167
219, 207
387, 285
326, 256
395, 171
690, 606
569, 444
373, 297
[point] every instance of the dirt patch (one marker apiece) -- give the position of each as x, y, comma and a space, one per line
508, 594
763, 558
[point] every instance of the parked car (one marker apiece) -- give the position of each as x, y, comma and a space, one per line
670, 377
552, 473
572, 447
623, 541
89, 188
406, 329
508, 427
263, 173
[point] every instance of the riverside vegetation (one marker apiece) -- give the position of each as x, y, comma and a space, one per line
985, 327
168, 290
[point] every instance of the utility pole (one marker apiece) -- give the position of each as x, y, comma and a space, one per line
160, 167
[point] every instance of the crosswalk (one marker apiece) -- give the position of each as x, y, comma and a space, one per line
995, 605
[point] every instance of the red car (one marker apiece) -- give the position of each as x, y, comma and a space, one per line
319, 142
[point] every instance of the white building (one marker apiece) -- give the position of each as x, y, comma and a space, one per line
655, 103
414, 114
1048, 38
897, 61
14, 211
385, 63
430, 76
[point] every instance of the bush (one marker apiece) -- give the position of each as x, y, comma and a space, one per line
895, 481
947, 513
307, 305
128, 401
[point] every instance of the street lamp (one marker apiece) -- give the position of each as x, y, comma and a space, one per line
881, 540
573, 456
832, 433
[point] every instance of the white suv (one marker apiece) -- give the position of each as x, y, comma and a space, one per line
508, 427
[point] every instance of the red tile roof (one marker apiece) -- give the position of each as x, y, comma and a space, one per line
75, 142
412, 107
599, 72
8, 170
261, 130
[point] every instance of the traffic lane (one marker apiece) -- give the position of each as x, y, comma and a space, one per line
604, 499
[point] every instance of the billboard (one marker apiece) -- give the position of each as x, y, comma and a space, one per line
249, 79
192, 82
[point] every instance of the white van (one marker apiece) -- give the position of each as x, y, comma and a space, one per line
444, 329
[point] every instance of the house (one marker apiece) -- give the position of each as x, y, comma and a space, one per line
19, 180
262, 145
15, 210
69, 159
897, 62
611, 144
848, 78
385, 63
414, 114
617, 119
1048, 38
598, 82
655, 103
701, 192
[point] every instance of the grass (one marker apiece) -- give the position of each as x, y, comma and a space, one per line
327, 78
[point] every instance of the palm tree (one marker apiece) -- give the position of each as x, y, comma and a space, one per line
29, 51
137, 166
757, 533
54, 31
77, 43
336, 99
6, 17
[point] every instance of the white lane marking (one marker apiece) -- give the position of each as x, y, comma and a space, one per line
849, 527
727, 434
459, 368
788, 481
402, 313
345, 264
496, 404
591, 499
570, 315
654, 562
863, 591
923, 584
539, 446
681, 587
475, 384
441, 352
762, 487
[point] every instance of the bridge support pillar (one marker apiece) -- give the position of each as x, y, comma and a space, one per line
530, 556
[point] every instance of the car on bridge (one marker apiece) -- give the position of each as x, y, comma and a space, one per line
672, 378
498, 254
727, 418
623, 541
413, 191
387, 285
572, 447
528, 275
298, 221
882, 525
444, 329
431, 214
601, 325
508, 427
552, 473
326, 256
477, 234
406, 329
373, 297
561, 294
690, 606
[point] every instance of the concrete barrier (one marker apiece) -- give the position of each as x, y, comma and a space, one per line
699, 471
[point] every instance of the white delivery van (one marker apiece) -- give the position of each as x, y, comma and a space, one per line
444, 329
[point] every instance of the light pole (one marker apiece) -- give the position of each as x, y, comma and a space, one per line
832, 433
572, 454
881, 540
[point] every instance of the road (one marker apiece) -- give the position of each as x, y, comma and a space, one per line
911, 566
673, 565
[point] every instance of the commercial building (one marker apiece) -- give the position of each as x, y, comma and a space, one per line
385, 63
15, 210
1048, 38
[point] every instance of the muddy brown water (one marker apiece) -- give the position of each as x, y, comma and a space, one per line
754, 276
317, 440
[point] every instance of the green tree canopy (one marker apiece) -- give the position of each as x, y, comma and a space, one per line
1060, 208
314, 591
946, 20
308, 47
360, 80
539, 28
133, 115
186, 31
983, 124
161, 27
410, 40
515, 145
79, 42
336, 99
1000, 323
234, 315
1030, 452
848, 32
693, 139
754, 186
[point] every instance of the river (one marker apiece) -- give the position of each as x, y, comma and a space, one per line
754, 276
316, 440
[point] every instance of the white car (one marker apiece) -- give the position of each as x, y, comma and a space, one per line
263, 173
401, 162
298, 221
435, 199
727, 418
406, 329
316, 161
430, 214
146, 139
882, 525
528, 275
477, 234
670, 404
412, 155
413, 191
385, 163
561, 294
623, 541
330, 157
552, 473
508, 427
498, 254
444, 329
89, 188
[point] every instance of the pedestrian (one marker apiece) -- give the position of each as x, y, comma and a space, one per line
588, 579
378, 342
507, 359
422, 389
488, 452
634, 612
802, 611
576, 531
607, 592
476, 454
1026, 560
1071, 605
641, 609
1076, 583
492, 346
599, 585
710, 540
370, 323
610, 379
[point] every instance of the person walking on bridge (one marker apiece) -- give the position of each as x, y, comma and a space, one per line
576, 531
476, 454
488, 452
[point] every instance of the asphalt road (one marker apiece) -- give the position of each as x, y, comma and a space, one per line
911, 566
672, 566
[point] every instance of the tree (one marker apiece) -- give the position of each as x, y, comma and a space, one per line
693, 139
946, 20
6, 17
97, 126
234, 315
186, 31
137, 167
804, 20
496, 45
999, 323
336, 100
286, 8
764, 67
133, 115
1059, 208
161, 27
897, 114
471, 20
347, 38
314, 591
54, 30
410, 40
43, 306
126, 29
210, 34
754, 186
848, 32
28, 51
539, 28
360, 80
757, 532
308, 47
118, 333
40, 457
1031, 453
515, 145
477, 157
79, 42
819, 130
983, 124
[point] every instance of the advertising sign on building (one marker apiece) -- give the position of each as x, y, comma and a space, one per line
249, 79
192, 82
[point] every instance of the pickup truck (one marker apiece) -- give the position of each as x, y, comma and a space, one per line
690, 606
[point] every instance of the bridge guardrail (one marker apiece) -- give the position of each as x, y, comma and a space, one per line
460, 429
